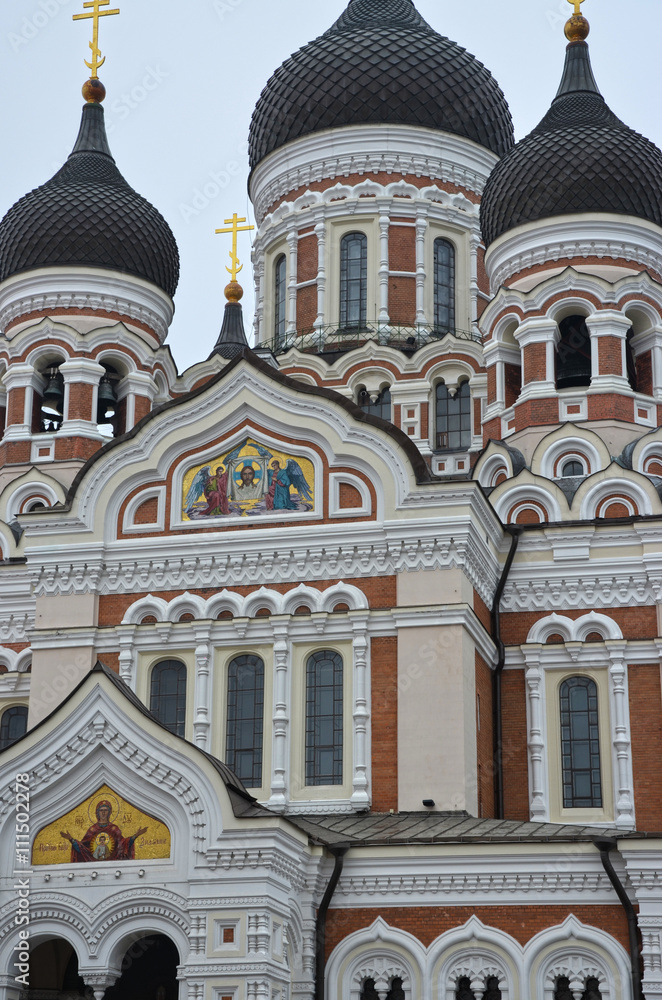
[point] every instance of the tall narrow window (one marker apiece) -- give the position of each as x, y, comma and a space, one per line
168, 695
580, 744
444, 286
245, 722
573, 354
453, 424
381, 407
13, 725
324, 718
353, 281
280, 299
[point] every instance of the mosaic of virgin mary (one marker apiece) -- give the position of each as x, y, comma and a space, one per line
103, 841
250, 481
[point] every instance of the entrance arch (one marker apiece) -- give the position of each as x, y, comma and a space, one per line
54, 971
148, 971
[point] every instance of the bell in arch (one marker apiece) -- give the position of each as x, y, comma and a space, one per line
54, 393
107, 404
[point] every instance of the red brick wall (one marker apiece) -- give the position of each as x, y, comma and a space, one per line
148, 512
307, 261
16, 406
306, 307
402, 248
482, 611
610, 358
111, 660
515, 761
522, 922
491, 384
534, 359
384, 674
80, 402
349, 497
646, 723
402, 301
143, 406
484, 738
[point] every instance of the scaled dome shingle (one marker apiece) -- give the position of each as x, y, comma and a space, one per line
580, 158
380, 62
88, 216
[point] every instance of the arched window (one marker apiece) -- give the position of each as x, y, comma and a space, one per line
245, 720
444, 286
573, 354
630, 361
580, 744
353, 281
369, 991
324, 718
381, 407
464, 991
573, 467
280, 298
13, 725
396, 991
453, 426
168, 695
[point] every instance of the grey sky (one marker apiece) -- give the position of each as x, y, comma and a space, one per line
183, 79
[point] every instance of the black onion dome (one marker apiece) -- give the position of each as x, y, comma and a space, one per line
380, 63
580, 158
88, 216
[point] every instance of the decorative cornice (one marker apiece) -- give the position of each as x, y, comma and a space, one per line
363, 149
569, 237
88, 290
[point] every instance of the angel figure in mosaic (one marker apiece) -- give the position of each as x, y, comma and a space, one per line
281, 480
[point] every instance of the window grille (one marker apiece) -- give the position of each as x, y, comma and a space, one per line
572, 468
245, 719
324, 719
13, 725
453, 426
353, 281
580, 744
280, 299
444, 285
168, 695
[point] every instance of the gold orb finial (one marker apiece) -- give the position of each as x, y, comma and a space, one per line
234, 292
94, 91
577, 28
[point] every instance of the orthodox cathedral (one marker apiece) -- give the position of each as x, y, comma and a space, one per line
330, 667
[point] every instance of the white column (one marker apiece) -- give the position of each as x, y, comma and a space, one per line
293, 269
656, 359
202, 721
281, 719
360, 715
500, 384
320, 233
127, 656
421, 233
258, 273
81, 371
623, 774
474, 243
383, 205
608, 323
21, 377
135, 384
99, 982
535, 681
538, 331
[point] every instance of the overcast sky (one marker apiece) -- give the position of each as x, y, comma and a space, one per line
182, 82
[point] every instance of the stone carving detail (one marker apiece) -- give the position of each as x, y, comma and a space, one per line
577, 969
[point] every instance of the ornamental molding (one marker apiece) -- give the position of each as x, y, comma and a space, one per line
88, 290
365, 149
569, 280
360, 199
568, 237
254, 563
580, 587
274, 861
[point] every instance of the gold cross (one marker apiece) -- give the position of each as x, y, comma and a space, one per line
578, 5
234, 229
95, 14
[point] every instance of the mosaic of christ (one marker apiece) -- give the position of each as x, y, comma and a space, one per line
249, 481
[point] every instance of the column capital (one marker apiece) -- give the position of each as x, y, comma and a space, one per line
608, 323
538, 330
82, 370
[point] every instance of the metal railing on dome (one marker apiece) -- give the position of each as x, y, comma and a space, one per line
337, 340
